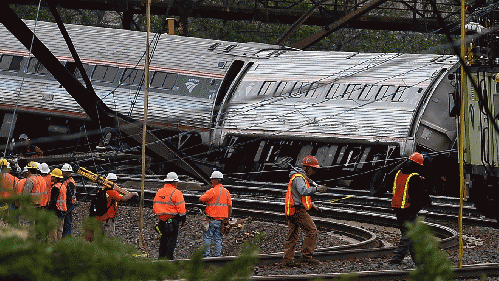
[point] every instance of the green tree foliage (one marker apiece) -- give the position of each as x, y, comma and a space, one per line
431, 262
27, 253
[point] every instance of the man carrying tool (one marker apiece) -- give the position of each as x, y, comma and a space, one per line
112, 196
218, 207
169, 206
409, 197
297, 203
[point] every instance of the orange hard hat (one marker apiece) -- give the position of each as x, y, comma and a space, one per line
417, 157
311, 161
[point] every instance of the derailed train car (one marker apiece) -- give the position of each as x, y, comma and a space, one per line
241, 107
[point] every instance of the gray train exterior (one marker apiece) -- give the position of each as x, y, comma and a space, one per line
249, 103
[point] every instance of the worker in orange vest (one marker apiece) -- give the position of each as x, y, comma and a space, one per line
409, 197
107, 220
297, 203
58, 201
8, 183
71, 191
218, 207
169, 206
36, 186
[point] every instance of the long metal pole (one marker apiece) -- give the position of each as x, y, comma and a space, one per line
144, 126
461, 134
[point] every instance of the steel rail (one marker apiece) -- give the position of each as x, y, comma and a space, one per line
467, 271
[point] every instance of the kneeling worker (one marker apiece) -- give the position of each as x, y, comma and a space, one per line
169, 206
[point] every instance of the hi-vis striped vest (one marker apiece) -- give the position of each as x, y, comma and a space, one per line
218, 206
289, 202
61, 199
169, 202
400, 188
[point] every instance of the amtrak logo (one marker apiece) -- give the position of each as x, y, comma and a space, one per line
191, 85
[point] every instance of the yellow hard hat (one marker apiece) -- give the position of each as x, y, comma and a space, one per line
32, 165
57, 173
4, 162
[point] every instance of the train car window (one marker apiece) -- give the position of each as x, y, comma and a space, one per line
368, 92
138, 77
16, 63
158, 79
5, 62
352, 91
296, 92
332, 92
110, 74
99, 72
88, 69
170, 80
400, 94
33, 65
385, 93
267, 88
279, 91
127, 76
311, 90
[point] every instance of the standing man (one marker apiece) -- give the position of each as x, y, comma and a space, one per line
8, 182
297, 203
169, 206
28, 150
36, 186
45, 173
70, 187
218, 207
107, 220
57, 202
409, 197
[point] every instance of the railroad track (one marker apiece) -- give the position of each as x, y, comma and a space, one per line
360, 207
367, 245
467, 271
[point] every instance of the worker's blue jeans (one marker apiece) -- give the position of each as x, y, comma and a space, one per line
68, 224
213, 232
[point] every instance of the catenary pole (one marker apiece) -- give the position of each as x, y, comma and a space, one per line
461, 134
144, 125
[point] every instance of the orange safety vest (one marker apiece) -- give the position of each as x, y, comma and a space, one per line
400, 190
169, 202
39, 189
20, 186
217, 206
289, 202
48, 179
8, 182
66, 182
61, 199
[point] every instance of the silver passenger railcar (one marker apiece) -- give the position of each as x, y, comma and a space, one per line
247, 104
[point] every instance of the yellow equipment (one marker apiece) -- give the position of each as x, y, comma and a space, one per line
100, 180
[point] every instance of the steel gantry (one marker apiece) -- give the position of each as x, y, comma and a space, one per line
395, 15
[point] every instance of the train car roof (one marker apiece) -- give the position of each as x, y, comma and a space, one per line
110, 45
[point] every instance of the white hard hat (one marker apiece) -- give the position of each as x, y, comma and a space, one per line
66, 168
44, 168
216, 175
25, 169
111, 177
8, 165
171, 176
